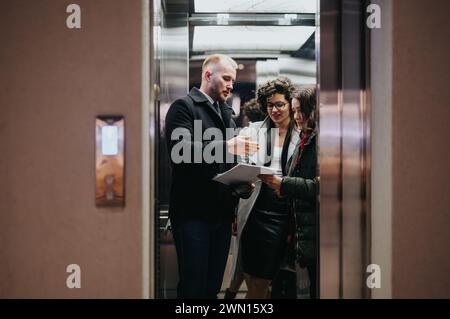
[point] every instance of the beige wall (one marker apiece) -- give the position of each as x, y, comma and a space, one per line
421, 154
53, 82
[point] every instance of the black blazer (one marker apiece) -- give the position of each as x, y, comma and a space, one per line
300, 186
193, 194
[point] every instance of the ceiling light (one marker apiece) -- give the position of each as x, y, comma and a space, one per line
250, 38
249, 6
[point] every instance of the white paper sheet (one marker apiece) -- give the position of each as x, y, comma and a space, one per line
243, 173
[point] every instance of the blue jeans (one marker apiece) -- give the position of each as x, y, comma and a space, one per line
202, 251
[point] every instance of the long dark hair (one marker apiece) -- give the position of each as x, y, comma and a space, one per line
307, 98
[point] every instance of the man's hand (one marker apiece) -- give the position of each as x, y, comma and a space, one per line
243, 191
272, 181
242, 146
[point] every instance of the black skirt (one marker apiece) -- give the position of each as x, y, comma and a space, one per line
263, 239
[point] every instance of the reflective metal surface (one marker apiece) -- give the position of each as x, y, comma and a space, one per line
353, 148
344, 140
330, 104
170, 62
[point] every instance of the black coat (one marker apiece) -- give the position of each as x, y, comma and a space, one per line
301, 187
193, 194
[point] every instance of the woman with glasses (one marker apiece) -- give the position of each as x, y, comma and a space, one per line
263, 218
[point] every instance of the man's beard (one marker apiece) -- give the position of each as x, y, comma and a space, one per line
220, 97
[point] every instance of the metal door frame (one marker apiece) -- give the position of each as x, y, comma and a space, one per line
344, 152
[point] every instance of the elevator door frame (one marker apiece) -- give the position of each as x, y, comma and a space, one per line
344, 151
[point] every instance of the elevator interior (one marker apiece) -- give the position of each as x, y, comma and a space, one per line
264, 42
270, 39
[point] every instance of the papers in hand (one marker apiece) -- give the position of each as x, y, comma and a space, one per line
243, 173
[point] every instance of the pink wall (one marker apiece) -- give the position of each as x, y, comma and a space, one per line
421, 153
53, 82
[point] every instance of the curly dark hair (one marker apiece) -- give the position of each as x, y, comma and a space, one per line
307, 98
253, 111
280, 85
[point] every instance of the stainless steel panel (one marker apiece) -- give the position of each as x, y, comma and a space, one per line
170, 62
353, 229
330, 150
344, 152
168, 269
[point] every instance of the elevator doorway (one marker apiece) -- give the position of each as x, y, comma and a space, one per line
302, 40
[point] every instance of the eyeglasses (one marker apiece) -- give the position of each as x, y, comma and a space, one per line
279, 106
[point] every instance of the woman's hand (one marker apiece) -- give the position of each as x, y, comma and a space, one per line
242, 146
272, 181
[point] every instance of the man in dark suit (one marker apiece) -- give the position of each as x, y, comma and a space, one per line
202, 210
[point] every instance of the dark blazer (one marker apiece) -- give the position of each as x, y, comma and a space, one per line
193, 194
301, 187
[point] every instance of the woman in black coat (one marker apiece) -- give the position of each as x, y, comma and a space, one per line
300, 185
